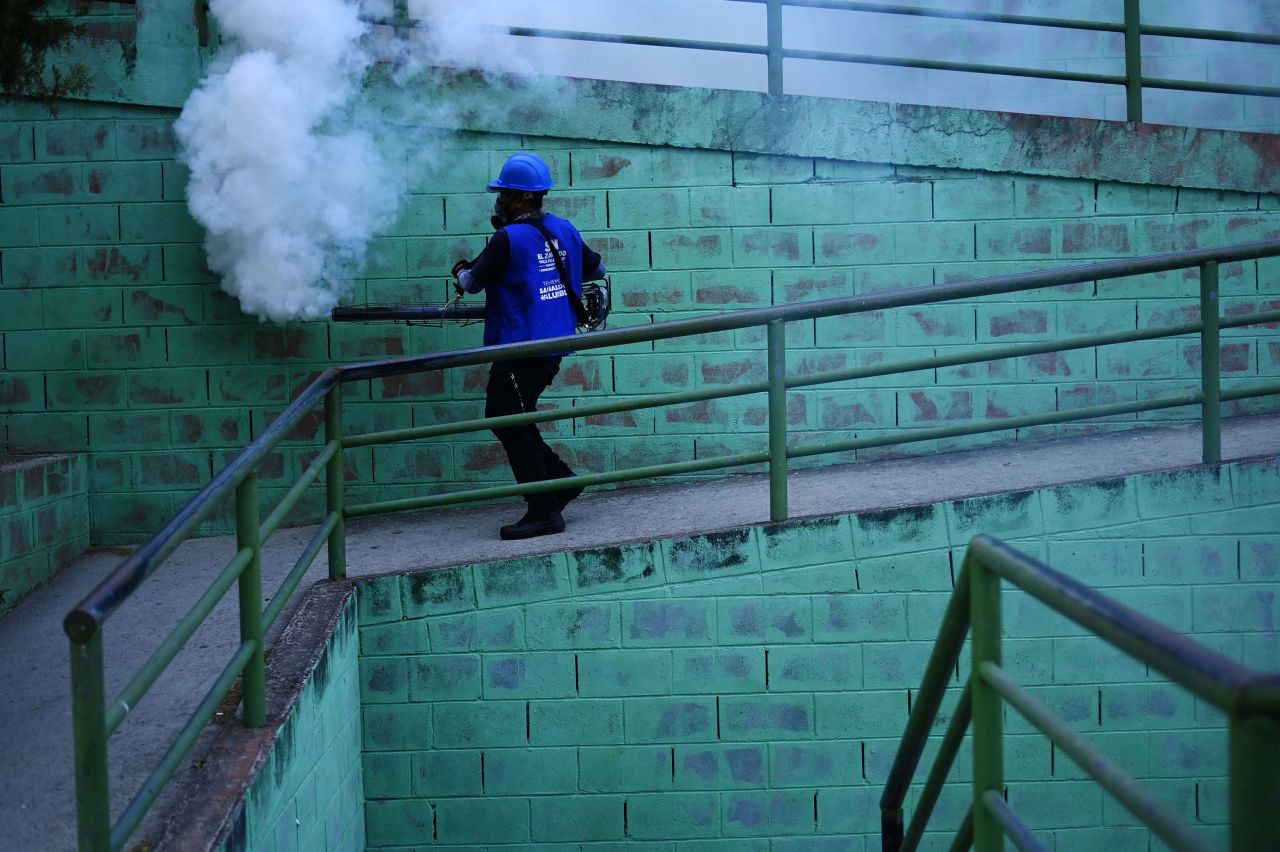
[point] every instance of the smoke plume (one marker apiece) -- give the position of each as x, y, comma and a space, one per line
289, 191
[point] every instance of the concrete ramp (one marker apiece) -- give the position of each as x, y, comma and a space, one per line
36, 802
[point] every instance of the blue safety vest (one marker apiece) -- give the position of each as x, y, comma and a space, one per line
529, 301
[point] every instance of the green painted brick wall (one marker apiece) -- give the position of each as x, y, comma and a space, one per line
746, 689
308, 795
117, 341
44, 520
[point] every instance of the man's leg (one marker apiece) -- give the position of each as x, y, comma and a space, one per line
514, 387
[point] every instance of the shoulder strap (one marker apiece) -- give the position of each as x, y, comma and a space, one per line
580, 315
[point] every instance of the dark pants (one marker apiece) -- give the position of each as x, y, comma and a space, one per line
514, 387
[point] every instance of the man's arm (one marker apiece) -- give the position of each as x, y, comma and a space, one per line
592, 264
489, 266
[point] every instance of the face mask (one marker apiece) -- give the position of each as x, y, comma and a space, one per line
501, 213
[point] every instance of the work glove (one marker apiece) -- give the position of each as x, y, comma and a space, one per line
459, 266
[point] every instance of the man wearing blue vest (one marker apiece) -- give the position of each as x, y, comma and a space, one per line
531, 272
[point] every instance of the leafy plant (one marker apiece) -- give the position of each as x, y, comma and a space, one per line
28, 32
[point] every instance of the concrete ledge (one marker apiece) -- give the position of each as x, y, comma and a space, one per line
861, 131
211, 804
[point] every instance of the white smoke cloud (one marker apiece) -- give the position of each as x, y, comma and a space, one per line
289, 191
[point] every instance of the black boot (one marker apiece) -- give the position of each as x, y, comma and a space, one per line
530, 526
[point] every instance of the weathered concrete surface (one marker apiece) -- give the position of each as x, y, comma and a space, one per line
862, 131
36, 791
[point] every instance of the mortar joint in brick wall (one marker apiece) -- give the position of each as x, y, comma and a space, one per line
1239, 573
766, 674
528, 721
862, 748
857, 581
435, 824
483, 788
718, 716
626, 820
815, 810
1099, 707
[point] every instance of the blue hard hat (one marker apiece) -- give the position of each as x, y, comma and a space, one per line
523, 172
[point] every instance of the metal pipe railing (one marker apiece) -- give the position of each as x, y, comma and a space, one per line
1251, 700
1130, 27
94, 719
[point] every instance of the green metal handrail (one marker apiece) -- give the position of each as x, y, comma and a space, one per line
1250, 700
1131, 27
95, 717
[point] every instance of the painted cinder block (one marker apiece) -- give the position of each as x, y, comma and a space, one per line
812, 204
718, 554
720, 670
541, 675
1126, 198
768, 813
1012, 515
653, 816
458, 724
724, 290
674, 719
818, 764
575, 722
847, 809
1050, 197
720, 767
859, 713
765, 168
72, 140
772, 247
892, 201
905, 530
713, 206
859, 618
803, 285
929, 407
437, 592
615, 568
974, 198
531, 771
577, 818
760, 717
489, 820
668, 623
934, 242
500, 630
397, 727
1152, 707
1057, 804
447, 773
760, 620
794, 543
444, 677
398, 821
667, 208
521, 580
43, 267
603, 674
68, 391
624, 769
894, 665
842, 245
1008, 239
1183, 492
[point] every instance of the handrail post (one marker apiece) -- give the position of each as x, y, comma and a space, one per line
1210, 368
988, 726
1133, 59
1254, 783
250, 585
335, 475
774, 34
89, 727
777, 365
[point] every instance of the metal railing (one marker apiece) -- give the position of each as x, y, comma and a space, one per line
95, 718
1131, 28
1251, 701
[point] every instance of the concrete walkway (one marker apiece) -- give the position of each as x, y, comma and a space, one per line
36, 784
